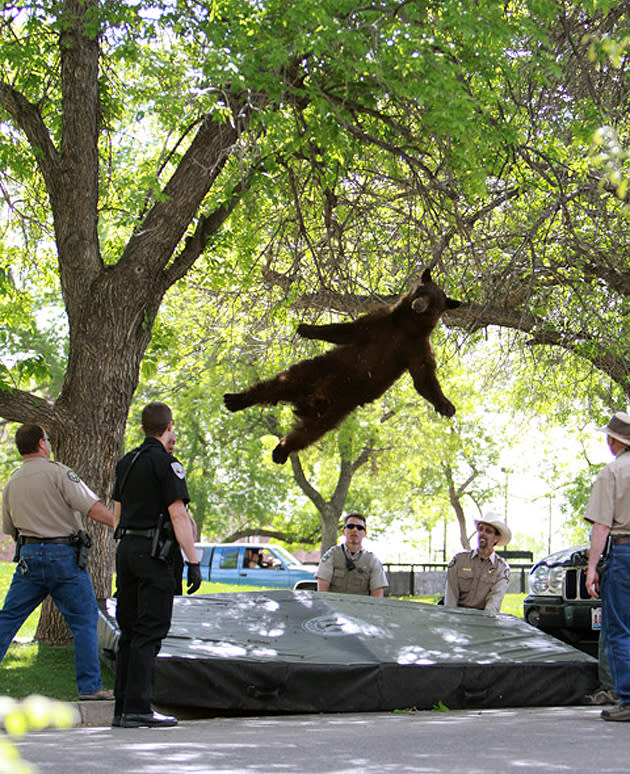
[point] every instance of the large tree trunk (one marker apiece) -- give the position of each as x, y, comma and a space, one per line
331, 510
88, 423
111, 308
330, 527
455, 494
51, 627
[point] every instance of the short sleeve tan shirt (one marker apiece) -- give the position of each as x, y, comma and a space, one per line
475, 582
45, 499
609, 503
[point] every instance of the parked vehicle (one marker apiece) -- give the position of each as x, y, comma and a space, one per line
558, 602
253, 564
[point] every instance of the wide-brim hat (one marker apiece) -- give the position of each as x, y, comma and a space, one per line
505, 533
618, 427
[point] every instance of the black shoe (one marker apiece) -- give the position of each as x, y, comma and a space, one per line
117, 721
146, 720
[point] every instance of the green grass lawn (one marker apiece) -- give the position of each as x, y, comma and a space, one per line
512, 603
31, 667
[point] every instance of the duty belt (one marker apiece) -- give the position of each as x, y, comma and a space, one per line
64, 541
148, 533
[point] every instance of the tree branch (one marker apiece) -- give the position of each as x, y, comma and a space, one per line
28, 118
300, 479
20, 406
156, 238
207, 226
287, 537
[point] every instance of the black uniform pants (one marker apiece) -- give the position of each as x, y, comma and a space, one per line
144, 593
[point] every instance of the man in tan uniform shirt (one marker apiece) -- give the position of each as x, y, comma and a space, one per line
608, 510
41, 506
480, 578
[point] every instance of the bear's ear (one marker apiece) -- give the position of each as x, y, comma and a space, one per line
426, 276
420, 304
451, 303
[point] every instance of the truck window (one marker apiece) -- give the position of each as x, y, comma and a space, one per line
268, 561
203, 555
252, 559
228, 560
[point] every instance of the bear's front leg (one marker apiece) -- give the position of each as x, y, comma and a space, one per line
444, 406
426, 384
334, 333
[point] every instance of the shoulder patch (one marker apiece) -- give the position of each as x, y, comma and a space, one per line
328, 554
73, 477
178, 470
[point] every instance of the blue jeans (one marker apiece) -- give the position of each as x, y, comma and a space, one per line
615, 594
52, 569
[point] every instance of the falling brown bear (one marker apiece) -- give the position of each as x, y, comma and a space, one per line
372, 352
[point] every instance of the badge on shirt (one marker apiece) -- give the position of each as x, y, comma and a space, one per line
73, 477
178, 470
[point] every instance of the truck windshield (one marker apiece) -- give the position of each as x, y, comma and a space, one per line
288, 558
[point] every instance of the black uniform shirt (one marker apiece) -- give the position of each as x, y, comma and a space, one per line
155, 480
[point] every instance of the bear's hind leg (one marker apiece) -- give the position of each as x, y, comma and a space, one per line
280, 454
305, 433
270, 391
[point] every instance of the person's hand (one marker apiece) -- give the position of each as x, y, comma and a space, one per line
592, 581
194, 577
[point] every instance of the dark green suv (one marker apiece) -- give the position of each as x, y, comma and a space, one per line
558, 602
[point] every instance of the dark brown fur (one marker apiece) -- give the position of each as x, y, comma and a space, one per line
372, 353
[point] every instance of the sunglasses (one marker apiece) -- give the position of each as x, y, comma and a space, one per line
360, 527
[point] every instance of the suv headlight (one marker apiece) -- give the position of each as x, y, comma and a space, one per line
546, 580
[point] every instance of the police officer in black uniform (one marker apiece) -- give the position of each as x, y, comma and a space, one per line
150, 497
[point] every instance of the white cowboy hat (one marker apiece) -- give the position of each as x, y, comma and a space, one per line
618, 427
505, 533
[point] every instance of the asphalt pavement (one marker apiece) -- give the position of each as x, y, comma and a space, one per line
533, 739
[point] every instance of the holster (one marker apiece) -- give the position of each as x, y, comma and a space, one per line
82, 543
163, 539
19, 542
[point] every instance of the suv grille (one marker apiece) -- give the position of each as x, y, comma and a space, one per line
574, 586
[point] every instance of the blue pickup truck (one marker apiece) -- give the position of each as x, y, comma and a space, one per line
253, 564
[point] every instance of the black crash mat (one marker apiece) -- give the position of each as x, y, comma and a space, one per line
300, 651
